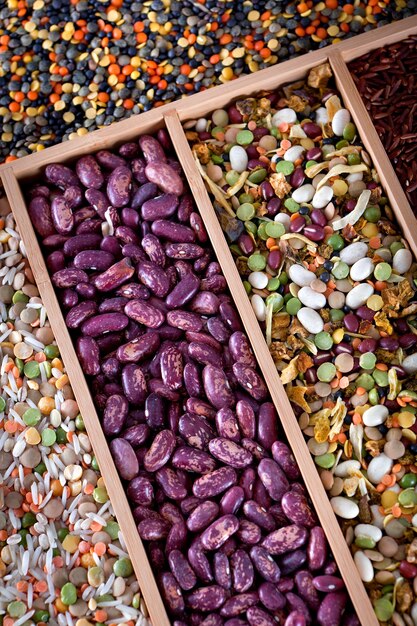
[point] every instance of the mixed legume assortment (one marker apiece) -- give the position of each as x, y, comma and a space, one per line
62, 557
385, 77
332, 283
216, 493
69, 67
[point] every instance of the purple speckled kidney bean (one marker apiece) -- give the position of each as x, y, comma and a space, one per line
118, 186
185, 320
204, 354
104, 323
40, 214
246, 419
160, 451
159, 208
295, 619
239, 604
98, 200
285, 539
229, 316
115, 414
273, 478
78, 243
328, 583
138, 349
170, 483
140, 490
242, 571
192, 380
258, 617
109, 160
171, 513
138, 170
213, 483
250, 380
89, 355
230, 453
207, 598
193, 460
218, 329
153, 528
285, 459
134, 383
295, 603
271, 598
247, 482
219, 531
267, 425
61, 214
331, 608
89, 172
227, 425
217, 388
185, 251
290, 562
172, 367
69, 277
60, 175
205, 303
232, 500
144, 313
183, 292
165, 177
124, 458
199, 562
172, 593
249, 533
93, 260
152, 149
307, 590
154, 249
222, 572
265, 564
198, 227
240, 349
114, 276
177, 233
297, 509
316, 549
155, 411
195, 430
182, 571
177, 535
202, 516
256, 513
136, 435
79, 313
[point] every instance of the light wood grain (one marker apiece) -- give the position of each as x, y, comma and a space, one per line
372, 142
288, 419
82, 394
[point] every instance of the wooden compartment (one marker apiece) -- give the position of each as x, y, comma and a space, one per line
18, 173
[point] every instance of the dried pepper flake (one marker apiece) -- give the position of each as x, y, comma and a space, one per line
297, 395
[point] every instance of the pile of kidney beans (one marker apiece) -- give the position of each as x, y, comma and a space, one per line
216, 493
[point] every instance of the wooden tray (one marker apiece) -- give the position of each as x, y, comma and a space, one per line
171, 115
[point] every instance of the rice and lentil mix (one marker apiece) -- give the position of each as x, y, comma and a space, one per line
69, 67
333, 284
62, 557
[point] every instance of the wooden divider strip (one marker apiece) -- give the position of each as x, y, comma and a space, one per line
289, 422
116, 491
